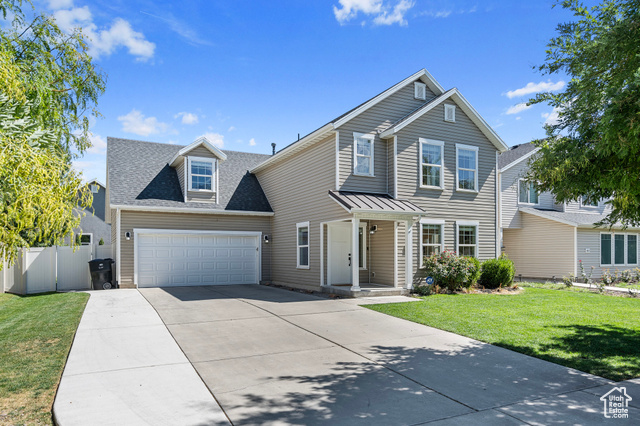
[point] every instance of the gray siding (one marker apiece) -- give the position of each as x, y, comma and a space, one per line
380, 256
297, 189
449, 204
577, 207
509, 196
186, 221
590, 239
376, 118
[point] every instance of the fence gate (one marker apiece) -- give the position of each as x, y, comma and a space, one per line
40, 267
73, 269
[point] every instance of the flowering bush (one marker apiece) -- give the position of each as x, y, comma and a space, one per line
452, 271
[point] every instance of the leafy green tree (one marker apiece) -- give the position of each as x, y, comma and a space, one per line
52, 70
594, 148
48, 88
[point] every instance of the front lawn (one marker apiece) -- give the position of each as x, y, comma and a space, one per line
35, 337
595, 333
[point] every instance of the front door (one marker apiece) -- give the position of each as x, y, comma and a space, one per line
339, 255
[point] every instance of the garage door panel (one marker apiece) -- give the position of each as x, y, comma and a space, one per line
194, 259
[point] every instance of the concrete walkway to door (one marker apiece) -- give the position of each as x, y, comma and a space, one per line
273, 356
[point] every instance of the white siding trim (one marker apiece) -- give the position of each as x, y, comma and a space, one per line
337, 161
395, 254
214, 173
395, 166
575, 251
322, 254
190, 210
421, 142
498, 185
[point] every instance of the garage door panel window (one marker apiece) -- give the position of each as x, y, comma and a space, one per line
302, 239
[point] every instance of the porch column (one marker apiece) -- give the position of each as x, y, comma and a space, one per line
355, 255
408, 254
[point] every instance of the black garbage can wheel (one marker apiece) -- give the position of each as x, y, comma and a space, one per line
107, 286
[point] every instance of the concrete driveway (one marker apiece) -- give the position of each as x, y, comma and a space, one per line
276, 356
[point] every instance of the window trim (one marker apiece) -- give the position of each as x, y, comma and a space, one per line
427, 221
92, 186
90, 234
529, 203
460, 223
448, 107
364, 227
214, 173
466, 148
625, 250
421, 164
415, 90
298, 246
588, 206
371, 138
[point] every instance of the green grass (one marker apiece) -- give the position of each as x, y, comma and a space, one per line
35, 337
627, 285
595, 333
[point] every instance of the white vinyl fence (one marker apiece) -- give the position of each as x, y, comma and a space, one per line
58, 268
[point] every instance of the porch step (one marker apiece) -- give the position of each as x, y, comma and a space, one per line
365, 291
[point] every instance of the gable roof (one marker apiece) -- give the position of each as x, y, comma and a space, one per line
140, 177
201, 141
464, 105
95, 180
578, 219
326, 130
516, 154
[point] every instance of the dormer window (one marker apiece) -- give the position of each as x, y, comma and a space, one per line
201, 174
420, 91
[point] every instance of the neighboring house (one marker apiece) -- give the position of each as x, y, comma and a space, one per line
546, 239
92, 225
353, 206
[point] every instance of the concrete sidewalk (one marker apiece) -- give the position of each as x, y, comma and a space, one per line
125, 368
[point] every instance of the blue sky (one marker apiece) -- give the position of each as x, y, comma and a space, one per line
249, 73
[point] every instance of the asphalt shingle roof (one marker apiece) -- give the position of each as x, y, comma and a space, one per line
578, 219
514, 153
139, 175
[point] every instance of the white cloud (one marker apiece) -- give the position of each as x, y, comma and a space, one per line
215, 138
183, 29
382, 13
98, 145
552, 117
518, 108
252, 142
531, 87
60, 4
91, 169
187, 117
105, 41
231, 129
135, 122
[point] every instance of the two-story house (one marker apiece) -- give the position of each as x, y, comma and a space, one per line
546, 239
350, 208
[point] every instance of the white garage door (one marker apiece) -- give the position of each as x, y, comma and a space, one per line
183, 259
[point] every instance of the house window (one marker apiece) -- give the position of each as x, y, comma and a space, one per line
420, 91
527, 193
618, 245
587, 202
450, 113
363, 158
302, 242
467, 239
431, 172
432, 239
362, 247
467, 168
201, 174
632, 249
94, 188
605, 249
86, 239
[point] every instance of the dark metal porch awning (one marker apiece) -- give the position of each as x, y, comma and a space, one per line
360, 202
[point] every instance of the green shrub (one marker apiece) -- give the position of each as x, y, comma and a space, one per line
497, 273
422, 290
450, 270
101, 242
474, 270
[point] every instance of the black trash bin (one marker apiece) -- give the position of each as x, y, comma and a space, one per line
102, 274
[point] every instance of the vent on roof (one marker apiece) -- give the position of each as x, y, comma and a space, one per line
420, 90
450, 113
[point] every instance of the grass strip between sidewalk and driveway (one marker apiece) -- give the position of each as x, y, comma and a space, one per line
594, 333
36, 333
